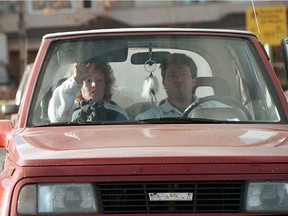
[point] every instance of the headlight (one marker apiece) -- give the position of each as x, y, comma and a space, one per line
267, 197
64, 198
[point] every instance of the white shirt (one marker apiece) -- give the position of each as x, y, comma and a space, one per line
166, 110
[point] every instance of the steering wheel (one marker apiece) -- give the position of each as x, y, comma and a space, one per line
225, 100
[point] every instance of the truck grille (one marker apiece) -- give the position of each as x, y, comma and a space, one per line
207, 197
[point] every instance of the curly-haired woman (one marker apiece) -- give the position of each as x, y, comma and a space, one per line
86, 96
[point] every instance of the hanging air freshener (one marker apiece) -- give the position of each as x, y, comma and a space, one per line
150, 86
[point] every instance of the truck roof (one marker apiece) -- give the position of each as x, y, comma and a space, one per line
123, 30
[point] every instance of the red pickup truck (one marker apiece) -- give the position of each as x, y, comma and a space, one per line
179, 122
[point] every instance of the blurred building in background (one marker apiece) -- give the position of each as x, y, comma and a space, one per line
25, 22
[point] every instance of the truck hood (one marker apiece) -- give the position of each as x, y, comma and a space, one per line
150, 143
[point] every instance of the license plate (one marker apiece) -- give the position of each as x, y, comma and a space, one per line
172, 196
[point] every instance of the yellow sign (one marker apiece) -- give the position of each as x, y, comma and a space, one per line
268, 23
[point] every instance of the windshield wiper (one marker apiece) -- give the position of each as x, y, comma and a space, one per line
180, 120
76, 123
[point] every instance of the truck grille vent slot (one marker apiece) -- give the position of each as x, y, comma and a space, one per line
207, 197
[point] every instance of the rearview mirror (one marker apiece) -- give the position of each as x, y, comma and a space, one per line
143, 57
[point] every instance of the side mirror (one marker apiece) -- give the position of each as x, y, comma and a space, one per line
284, 45
286, 95
5, 129
8, 109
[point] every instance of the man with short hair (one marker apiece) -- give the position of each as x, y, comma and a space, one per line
179, 73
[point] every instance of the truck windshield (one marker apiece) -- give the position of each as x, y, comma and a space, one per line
153, 77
